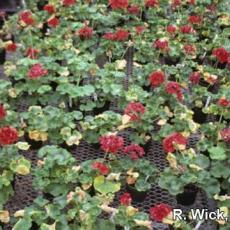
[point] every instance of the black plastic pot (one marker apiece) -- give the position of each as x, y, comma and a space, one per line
199, 116
146, 147
34, 145
34, 226
41, 4
2, 56
188, 197
137, 196
171, 61
102, 109
67, 147
211, 88
48, 196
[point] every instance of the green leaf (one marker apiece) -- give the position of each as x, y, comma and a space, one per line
44, 89
23, 224
217, 153
104, 224
105, 187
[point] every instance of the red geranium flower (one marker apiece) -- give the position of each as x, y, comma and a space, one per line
32, 53
125, 199
211, 8
151, 3
171, 29
102, 168
175, 3
195, 19
160, 211
139, 29
53, 22
111, 143
223, 102
189, 49
121, 35
68, 2
225, 134
156, 78
170, 141
162, 44
221, 54
49, 8
186, 29
109, 36
2, 14
134, 9
119, 4
192, 2
26, 17
135, 110
11, 47
8, 135
195, 78
2, 112
135, 151
85, 33
37, 71
174, 88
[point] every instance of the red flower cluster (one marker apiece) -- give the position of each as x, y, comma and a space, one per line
151, 3
225, 134
171, 29
125, 199
26, 17
85, 33
11, 47
119, 35
53, 22
223, 102
2, 112
102, 168
192, 2
195, 19
139, 29
134, 9
135, 110
49, 8
221, 54
174, 88
189, 49
170, 141
156, 78
135, 151
37, 71
32, 53
8, 135
119, 4
186, 29
162, 44
2, 14
160, 211
175, 3
111, 143
68, 2
195, 78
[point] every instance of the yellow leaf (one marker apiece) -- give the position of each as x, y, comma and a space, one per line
23, 145
195, 167
120, 64
172, 160
4, 216
131, 211
38, 135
